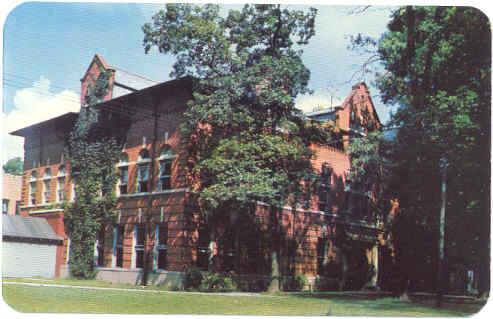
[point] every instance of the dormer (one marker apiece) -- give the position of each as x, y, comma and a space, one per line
103, 82
97, 83
358, 114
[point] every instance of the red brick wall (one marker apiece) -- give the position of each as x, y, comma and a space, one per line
11, 190
92, 74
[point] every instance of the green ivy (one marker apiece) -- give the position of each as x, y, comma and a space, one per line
92, 159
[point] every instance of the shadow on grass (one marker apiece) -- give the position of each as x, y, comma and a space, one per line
379, 302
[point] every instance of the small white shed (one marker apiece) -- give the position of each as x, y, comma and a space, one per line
29, 247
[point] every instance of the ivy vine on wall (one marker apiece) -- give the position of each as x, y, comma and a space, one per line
92, 159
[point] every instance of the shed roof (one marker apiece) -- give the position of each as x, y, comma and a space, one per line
27, 227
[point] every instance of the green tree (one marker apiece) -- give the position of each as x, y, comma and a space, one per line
14, 166
246, 141
436, 63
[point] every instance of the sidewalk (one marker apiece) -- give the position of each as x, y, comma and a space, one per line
230, 294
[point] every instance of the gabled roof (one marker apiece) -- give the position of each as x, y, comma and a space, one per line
27, 228
64, 119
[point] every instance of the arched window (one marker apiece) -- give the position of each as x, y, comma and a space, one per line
32, 188
165, 162
60, 185
143, 156
46, 185
143, 171
123, 172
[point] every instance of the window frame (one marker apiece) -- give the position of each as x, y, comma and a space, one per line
123, 165
5, 206
139, 247
60, 188
118, 233
143, 161
161, 246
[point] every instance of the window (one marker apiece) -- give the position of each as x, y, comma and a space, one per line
161, 245
18, 207
143, 172
139, 238
100, 248
60, 186
5, 206
324, 192
73, 189
32, 189
164, 175
165, 162
123, 178
46, 186
203, 248
118, 245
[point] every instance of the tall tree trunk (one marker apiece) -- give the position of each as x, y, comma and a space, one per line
344, 270
212, 247
275, 271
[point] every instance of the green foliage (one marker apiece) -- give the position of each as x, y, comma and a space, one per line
437, 69
246, 141
213, 282
294, 283
249, 73
14, 166
92, 161
192, 278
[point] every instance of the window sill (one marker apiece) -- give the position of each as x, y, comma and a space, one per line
168, 191
41, 205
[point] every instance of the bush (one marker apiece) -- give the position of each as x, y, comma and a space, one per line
212, 282
326, 284
294, 283
192, 278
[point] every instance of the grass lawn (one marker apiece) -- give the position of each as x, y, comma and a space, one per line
58, 299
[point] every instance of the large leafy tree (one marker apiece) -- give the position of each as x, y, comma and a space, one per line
13, 166
437, 69
246, 141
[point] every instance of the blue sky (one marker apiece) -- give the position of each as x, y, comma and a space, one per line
48, 46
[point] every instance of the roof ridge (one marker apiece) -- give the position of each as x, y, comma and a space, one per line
116, 68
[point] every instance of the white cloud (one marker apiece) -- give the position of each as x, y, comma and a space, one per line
316, 101
33, 105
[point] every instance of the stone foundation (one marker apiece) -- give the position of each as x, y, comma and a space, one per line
170, 279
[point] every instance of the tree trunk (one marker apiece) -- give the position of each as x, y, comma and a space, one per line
274, 283
212, 247
275, 271
344, 268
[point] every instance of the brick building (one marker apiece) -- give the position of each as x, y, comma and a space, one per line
147, 116
11, 194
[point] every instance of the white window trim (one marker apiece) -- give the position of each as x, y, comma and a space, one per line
134, 242
60, 188
155, 250
44, 198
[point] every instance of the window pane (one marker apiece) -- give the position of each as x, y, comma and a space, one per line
161, 261
165, 168
124, 175
119, 235
123, 189
163, 234
139, 260
119, 257
140, 236
165, 183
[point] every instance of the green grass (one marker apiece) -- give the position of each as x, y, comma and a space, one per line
56, 299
